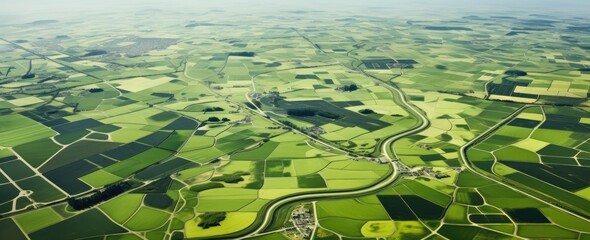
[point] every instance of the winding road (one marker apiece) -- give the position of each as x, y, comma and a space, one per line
401, 100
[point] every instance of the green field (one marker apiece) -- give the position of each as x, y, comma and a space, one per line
36, 220
122, 208
147, 219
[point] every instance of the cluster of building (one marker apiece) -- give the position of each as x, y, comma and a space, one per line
247, 119
314, 130
424, 171
402, 168
303, 223
381, 160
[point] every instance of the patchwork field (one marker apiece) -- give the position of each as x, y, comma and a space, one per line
290, 120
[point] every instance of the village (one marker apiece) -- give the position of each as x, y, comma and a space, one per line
302, 221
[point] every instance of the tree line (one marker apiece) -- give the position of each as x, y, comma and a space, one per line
99, 196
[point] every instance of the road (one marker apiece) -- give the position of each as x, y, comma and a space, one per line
384, 183
385, 146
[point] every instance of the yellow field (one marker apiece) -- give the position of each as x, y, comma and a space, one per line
585, 193
378, 228
530, 144
139, 83
26, 101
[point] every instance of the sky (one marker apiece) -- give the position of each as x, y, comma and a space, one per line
16, 11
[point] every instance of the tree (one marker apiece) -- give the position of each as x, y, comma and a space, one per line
301, 112
213, 119
95, 90
225, 119
366, 111
348, 88
213, 109
211, 219
97, 197
515, 73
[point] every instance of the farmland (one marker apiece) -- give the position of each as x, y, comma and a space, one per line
224, 120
